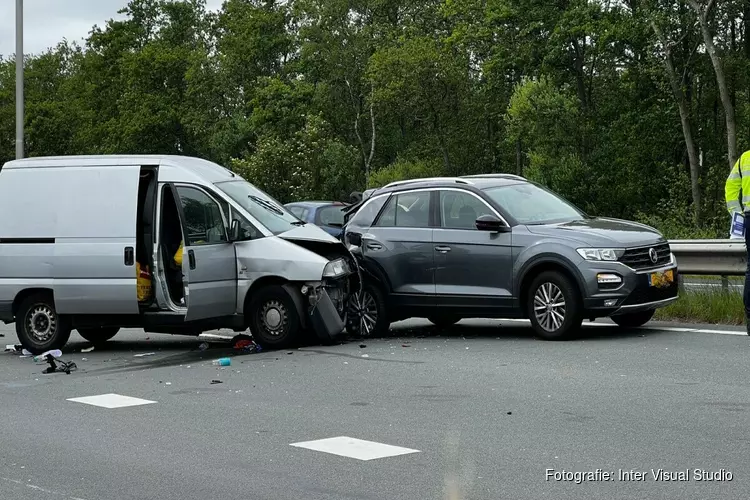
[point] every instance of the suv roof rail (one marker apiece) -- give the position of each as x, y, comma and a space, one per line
495, 176
458, 180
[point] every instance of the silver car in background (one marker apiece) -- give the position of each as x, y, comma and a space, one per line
165, 243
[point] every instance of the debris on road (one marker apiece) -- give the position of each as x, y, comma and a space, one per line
405, 345
365, 355
168, 383
88, 349
246, 345
203, 347
510, 413
56, 353
65, 366
362, 346
222, 362
215, 381
144, 354
290, 352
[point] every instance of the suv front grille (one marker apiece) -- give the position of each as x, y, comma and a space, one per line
639, 258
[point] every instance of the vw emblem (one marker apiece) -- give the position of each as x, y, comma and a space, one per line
653, 255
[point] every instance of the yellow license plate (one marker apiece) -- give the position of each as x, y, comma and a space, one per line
662, 279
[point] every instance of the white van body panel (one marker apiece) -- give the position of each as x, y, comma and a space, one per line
65, 224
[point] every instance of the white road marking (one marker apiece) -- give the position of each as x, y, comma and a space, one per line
111, 401
354, 448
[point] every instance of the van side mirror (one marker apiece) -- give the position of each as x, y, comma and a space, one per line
234, 232
492, 224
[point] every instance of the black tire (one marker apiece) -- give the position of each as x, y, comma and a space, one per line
634, 320
98, 336
39, 327
559, 319
273, 318
444, 321
367, 315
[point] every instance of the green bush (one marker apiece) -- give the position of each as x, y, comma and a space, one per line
404, 169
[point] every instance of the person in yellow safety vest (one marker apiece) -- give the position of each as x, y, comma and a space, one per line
737, 194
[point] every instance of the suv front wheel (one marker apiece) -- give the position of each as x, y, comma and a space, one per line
554, 306
367, 315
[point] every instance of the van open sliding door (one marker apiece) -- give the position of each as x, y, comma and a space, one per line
95, 237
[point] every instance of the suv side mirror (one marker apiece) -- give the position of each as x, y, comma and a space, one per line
234, 232
492, 224
354, 239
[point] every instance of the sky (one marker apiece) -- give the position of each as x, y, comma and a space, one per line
47, 22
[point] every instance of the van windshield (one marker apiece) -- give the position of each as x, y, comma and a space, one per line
265, 209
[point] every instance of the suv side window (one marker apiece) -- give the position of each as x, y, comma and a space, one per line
367, 212
461, 210
407, 210
205, 225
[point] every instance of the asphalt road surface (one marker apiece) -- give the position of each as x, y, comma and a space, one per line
481, 411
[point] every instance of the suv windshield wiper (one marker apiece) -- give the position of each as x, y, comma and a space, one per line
266, 204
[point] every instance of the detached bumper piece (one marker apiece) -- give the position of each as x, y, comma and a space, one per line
324, 316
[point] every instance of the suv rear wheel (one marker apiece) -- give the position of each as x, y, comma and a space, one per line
444, 321
634, 320
554, 306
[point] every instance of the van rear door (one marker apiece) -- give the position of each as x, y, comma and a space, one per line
209, 261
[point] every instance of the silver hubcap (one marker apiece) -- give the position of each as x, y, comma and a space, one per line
365, 312
41, 323
274, 316
549, 307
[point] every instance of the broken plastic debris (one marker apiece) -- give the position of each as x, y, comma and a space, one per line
215, 381
204, 346
144, 354
13, 348
167, 383
88, 349
405, 345
55, 353
362, 346
365, 355
222, 362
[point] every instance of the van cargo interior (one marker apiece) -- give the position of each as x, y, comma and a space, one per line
170, 240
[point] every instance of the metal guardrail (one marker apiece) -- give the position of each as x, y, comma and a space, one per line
710, 257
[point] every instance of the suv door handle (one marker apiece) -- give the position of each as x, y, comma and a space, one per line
191, 259
443, 249
374, 246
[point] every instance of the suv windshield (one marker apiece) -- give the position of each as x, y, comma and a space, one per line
531, 204
265, 209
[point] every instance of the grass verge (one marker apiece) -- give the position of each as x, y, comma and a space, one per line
711, 306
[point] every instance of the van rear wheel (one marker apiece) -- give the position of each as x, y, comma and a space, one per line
273, 317
98, 336
39, 327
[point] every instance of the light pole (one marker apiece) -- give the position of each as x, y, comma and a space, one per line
19, 79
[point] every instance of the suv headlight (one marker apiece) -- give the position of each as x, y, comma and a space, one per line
335, 268
607, 254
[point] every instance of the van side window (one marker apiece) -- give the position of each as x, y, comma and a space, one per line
205, 225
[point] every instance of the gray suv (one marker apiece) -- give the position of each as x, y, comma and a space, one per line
499, 246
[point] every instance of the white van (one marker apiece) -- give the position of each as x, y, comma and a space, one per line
217, 252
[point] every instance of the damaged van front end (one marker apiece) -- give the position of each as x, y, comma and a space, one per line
315, 270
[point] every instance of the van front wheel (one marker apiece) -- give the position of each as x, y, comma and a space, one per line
39, 327
274, 321
98, 336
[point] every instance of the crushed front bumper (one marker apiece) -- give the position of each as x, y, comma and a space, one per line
326, 309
